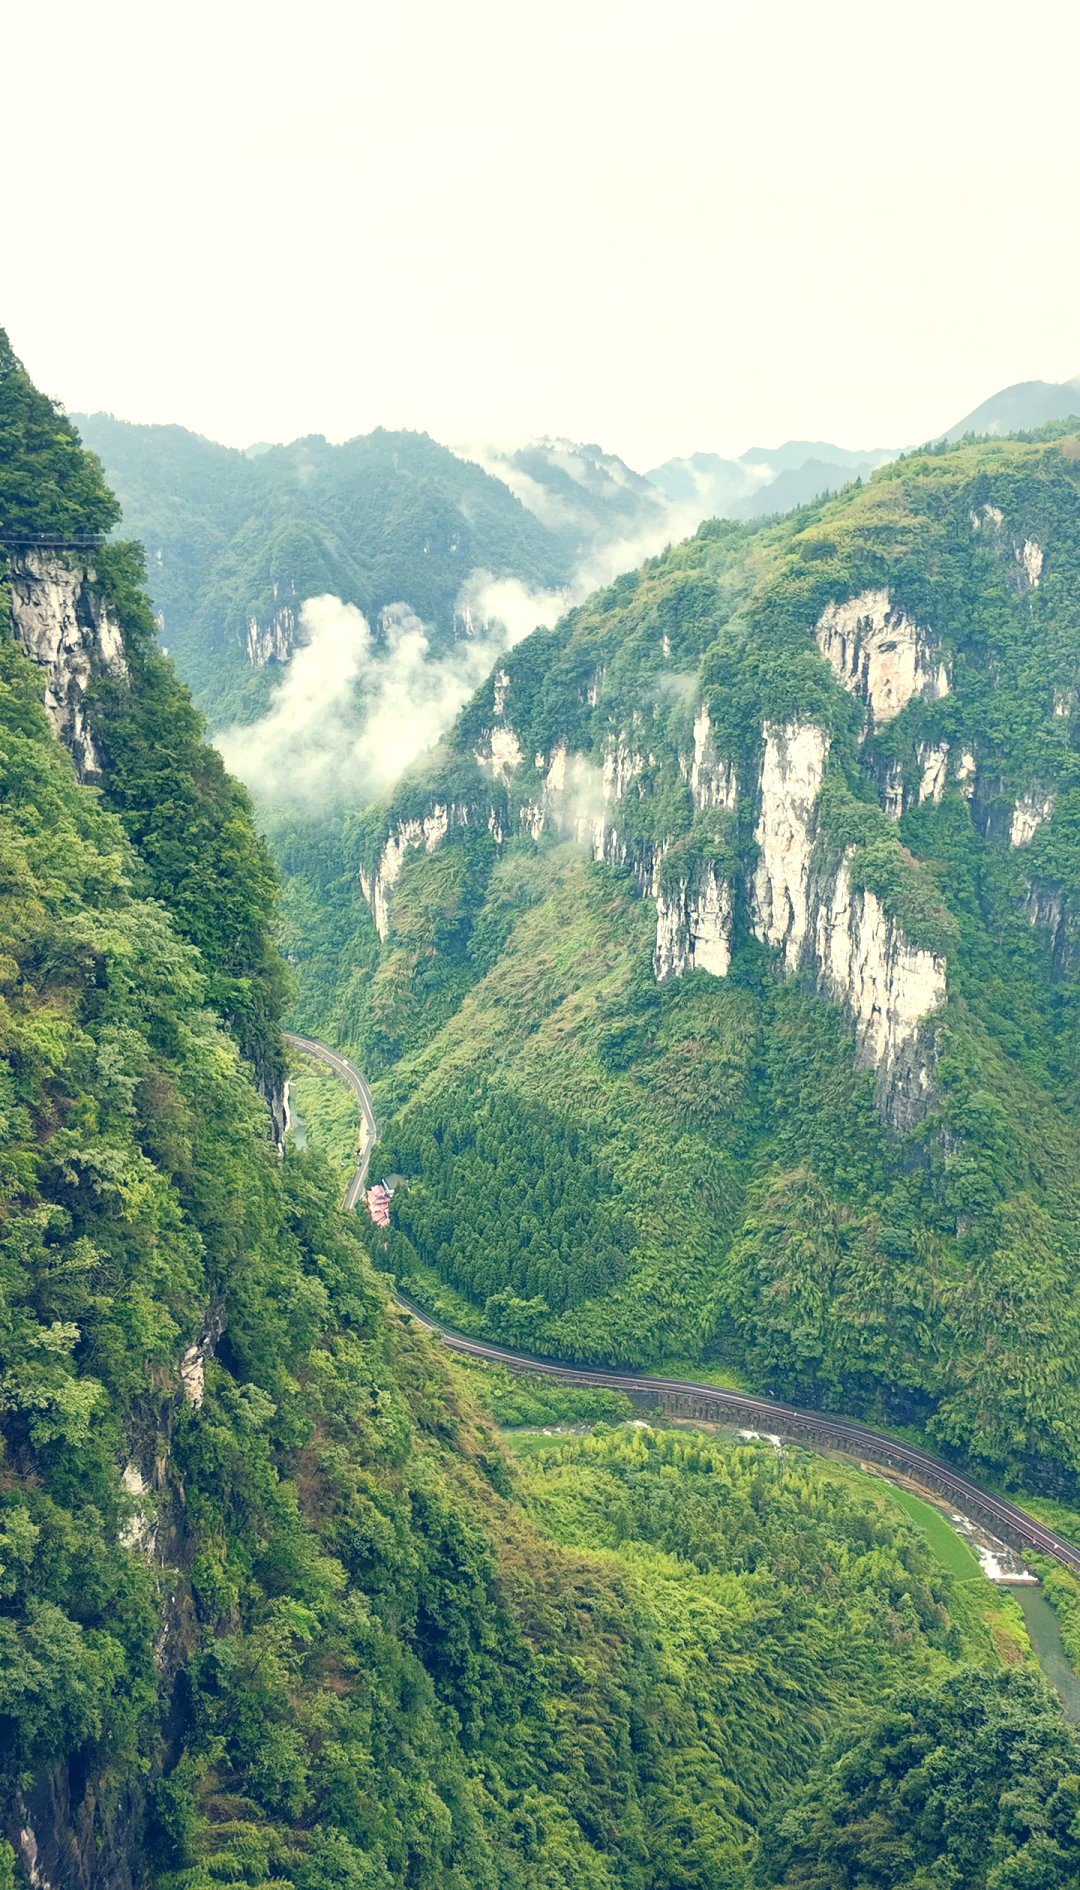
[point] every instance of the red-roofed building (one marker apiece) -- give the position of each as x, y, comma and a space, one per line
378, 1204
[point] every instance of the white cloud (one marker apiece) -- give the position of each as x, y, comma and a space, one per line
353, 709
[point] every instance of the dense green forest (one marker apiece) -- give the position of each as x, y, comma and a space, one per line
277, 1605
196, 848
971, 1783
386, 518
769, 1219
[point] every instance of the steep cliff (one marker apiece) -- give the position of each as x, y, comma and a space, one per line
658, 772
126, 721
763, 869
798, 901
64, 627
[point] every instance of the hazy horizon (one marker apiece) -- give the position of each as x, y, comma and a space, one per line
695, 232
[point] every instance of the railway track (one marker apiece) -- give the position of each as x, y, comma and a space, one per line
1007, 1519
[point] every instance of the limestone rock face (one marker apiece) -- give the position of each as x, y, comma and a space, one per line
1045, 905
693, 926
622, 765
879, 655
1030, 557
499, 754
274, 641
837, 936
407, 835
890, 988
713, 782
1028, 815
68, 632
791, 775
933, 758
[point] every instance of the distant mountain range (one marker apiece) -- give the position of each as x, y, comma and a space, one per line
775, 479
1020, 408
237, 541
765, 479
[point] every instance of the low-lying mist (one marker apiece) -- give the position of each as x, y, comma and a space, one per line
353, 709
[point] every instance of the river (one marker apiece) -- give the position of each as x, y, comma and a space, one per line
1045, 1637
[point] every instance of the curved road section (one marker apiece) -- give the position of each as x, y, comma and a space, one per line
343, 1068
1013, 1523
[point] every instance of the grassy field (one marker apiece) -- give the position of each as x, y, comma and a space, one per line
951, 1551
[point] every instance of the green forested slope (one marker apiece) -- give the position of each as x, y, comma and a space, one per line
777, 1225
338, 1639
276, 1606
191, 824
385, 518
970, 1783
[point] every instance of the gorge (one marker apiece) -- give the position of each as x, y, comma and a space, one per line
699, 1032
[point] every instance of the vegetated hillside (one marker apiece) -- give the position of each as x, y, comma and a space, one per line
129, 724
1024, 404
804, 993
236, 544
274, 1605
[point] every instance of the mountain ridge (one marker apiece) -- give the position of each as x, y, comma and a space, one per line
278, 1602
782, 748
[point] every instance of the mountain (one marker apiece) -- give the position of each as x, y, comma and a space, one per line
802, 484
1018, 409
278, 1605
754, 883
236, 544
479, 543
604, 514
764, 480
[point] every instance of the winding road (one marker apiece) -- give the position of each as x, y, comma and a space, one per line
343, 1068
1012, 1523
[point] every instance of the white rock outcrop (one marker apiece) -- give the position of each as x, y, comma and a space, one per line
990, 518
274, 641
1028, 815
407, 835
693, 926
713, 782
878, 654
1031, 558
933, 759
499, 754
68, 632
861, 956
622, 765
892, 793
890, 988
138, 1534
792, 771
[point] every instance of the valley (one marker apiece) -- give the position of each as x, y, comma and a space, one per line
708, 1404
709, 1045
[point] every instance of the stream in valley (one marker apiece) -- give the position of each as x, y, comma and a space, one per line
1045, 1637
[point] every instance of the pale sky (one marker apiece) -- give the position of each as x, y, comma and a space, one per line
668, 228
